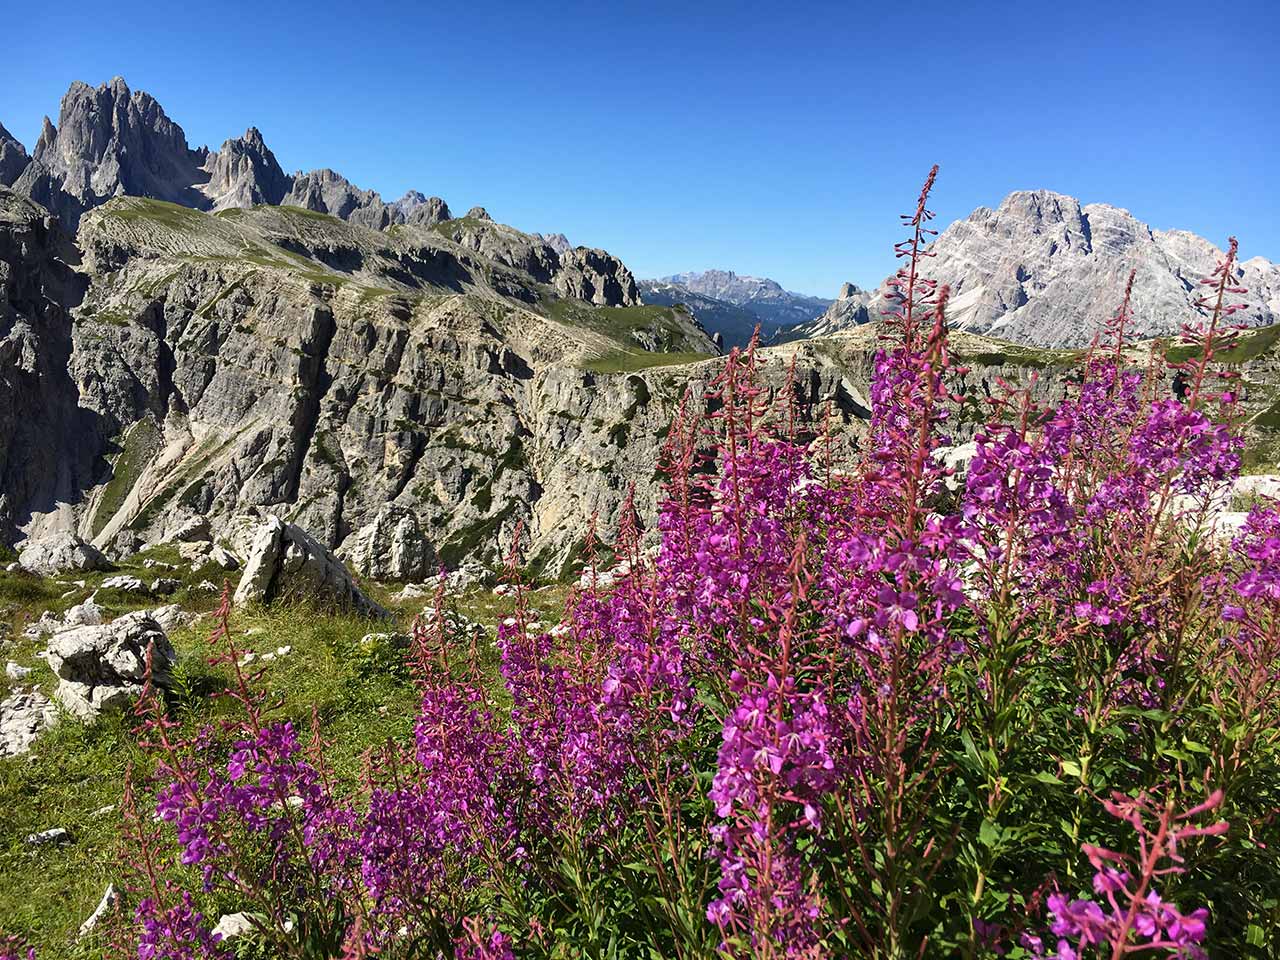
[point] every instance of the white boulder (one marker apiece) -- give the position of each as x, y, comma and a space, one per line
60, 553
284, 560
104, 667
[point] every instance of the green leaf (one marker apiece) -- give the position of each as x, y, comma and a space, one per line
989, 834
1071, 768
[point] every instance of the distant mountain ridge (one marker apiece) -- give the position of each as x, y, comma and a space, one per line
1044, 270
717, 292
733, 324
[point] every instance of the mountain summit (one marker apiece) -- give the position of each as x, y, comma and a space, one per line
1045, 270
111, 141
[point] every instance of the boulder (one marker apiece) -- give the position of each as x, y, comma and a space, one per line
124, 545
391, 547
192, 530
286, 561
86, 614
15, 671
24, 715
53, 837
83, 614
195, 552
234, 926
104, 667
224, 558
60, 553
125, 584
1258, 486
171, 617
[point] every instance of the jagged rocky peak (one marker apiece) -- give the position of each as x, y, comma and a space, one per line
114, 142
326, 191
1045, 270
244, 173
13, 158
556, 241
414, 207
110, 141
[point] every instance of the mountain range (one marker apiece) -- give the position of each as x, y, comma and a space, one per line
734, 305
186, 332
110, 141
1043, 269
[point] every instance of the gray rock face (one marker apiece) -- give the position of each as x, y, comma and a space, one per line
244, 173
595, 277
1043, 270
13, 158
45, 440
110, 142
392, 546
424, 211
285, 560
190, 530
325, 191
776, 307
60, 553
556, 241
105, 667
852, 308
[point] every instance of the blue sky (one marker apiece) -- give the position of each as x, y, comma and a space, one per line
777, 139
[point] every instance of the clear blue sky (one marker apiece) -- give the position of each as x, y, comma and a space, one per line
778, 139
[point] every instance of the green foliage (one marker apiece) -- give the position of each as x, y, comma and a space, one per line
1249, 346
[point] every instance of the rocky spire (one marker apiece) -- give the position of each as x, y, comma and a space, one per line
13, 157
110, 141
244, 173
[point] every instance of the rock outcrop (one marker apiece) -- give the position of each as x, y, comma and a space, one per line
60, 553
285, 561
24, 715
393, 546
276, 360
594, 276
105, 667
13, 158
